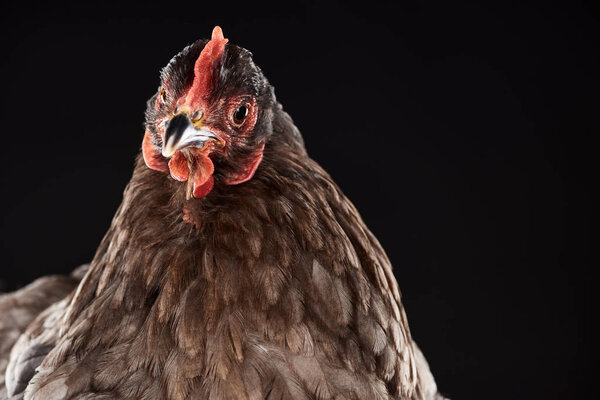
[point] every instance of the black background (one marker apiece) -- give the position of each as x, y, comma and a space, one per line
462, 132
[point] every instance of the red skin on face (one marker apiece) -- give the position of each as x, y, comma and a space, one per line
194, 99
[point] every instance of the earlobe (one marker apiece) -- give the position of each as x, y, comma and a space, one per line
152, 157
249, 169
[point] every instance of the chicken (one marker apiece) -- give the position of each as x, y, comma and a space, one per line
234, 268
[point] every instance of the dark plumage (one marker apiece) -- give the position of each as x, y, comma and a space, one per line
258, 280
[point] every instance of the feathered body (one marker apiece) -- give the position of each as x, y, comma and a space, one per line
273, 288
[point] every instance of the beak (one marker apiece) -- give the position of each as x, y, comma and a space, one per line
180, 133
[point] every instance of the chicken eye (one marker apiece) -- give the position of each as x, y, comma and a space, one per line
240, 114
163, 95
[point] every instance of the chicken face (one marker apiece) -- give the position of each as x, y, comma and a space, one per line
210, 118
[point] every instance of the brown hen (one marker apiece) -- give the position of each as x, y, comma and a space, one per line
235, 268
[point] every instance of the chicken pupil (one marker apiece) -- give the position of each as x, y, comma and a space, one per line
240, 114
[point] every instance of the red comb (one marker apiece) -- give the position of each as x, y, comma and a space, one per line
203, 68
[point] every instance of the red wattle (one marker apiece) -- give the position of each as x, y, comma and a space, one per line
203, 189
203, 176
203, 180
178, 166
